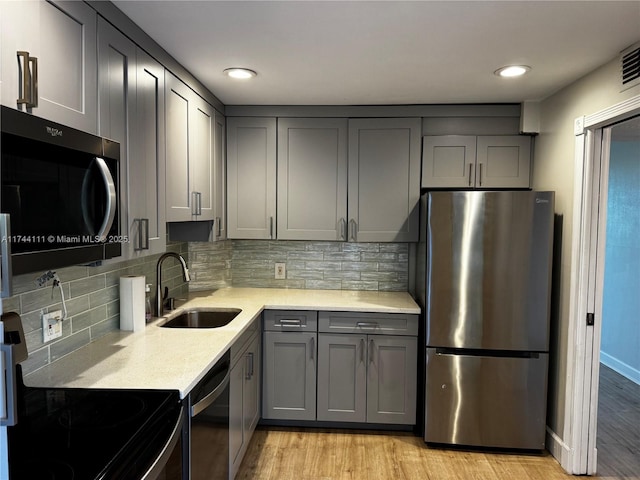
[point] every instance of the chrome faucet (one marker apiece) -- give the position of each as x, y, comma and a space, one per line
185, 275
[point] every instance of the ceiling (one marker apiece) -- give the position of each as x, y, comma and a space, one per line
387, 52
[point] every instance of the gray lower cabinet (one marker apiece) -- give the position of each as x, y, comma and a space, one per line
289, 388
366, 367
367, 378
244, 396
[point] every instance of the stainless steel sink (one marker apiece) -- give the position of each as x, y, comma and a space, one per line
209, 318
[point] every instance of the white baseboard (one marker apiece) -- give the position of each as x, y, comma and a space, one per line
622, 368
559, 450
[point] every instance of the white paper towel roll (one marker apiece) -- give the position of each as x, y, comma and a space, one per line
132, 303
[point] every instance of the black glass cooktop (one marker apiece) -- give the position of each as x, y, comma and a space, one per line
89, 434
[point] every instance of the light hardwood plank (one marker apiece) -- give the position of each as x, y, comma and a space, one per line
277, 453
319, 454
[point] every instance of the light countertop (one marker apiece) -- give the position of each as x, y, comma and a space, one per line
177, 358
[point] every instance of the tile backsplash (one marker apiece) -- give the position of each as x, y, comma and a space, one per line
309, 265
92, 293
92, 299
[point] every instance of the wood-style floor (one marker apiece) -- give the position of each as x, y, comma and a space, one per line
277, 453
310, 454
618, 440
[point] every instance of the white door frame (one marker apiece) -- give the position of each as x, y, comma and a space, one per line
589, 217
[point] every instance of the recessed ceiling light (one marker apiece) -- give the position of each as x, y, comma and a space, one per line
239, 73
512, 71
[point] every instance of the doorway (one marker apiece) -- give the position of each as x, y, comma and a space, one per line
593, 132
618, 438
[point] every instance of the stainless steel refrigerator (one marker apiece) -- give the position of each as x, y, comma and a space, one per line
484, 278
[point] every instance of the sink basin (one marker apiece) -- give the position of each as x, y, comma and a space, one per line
210, 318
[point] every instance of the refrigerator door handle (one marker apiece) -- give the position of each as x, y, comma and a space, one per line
472, 352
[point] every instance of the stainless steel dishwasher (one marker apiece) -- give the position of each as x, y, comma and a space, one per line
209, 424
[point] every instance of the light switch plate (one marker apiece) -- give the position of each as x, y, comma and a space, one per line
51, 325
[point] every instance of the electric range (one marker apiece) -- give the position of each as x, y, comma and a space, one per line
89, 434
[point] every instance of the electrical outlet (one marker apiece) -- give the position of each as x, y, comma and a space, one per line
281, 271
51, 325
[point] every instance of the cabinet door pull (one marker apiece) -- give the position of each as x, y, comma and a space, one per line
362, 347
371, 354
342, 229
34, 82
199, 203
143, 234
353, 227
470, 168
249, 371
480, 174
29, 80
312, 347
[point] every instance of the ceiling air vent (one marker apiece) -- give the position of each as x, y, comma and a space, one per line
630, 63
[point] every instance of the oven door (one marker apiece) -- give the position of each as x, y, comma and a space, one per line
168, 465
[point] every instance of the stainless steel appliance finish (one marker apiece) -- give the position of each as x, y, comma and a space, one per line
209, 424
60, 187
484, 281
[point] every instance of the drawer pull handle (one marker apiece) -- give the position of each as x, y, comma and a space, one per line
367, 325
294, 322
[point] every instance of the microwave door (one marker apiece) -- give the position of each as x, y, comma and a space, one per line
90, 211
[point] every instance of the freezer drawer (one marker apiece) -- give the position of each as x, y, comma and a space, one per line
486, 401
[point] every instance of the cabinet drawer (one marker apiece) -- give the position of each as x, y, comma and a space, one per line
290, 320
370, 323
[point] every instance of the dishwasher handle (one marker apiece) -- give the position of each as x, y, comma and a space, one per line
212, 396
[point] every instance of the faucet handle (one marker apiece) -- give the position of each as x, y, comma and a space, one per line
169, 303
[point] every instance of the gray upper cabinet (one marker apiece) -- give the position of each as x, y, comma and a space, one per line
251, 178
449, 161
190, 153
384, 179
219, 177
131, 96
503, 161
312, 178
59, 39
467, 161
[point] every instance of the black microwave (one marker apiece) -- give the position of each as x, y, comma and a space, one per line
59, 187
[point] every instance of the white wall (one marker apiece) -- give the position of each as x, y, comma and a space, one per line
554, 170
